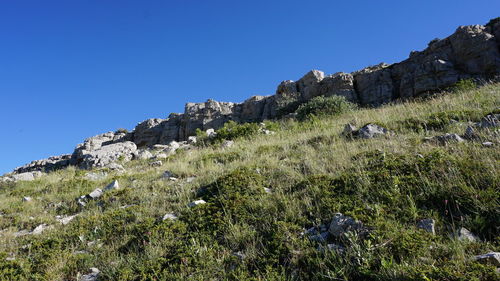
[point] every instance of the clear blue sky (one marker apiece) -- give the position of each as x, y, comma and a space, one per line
73, 69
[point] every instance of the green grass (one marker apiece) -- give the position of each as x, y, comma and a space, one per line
312, 171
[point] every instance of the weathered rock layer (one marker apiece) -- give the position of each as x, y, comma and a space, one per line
470, 52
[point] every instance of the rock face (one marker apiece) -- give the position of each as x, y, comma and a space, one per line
470, 52
107, 154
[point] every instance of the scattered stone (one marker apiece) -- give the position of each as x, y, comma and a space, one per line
39, 229
196, 203
27, 199
96, 193
96, 176
470, 133
192, 140
464, 234
26, 176
64, 220
492, 258
156, 163
115, 167
240, 255
370, 131
427, 225
211, 133
143, 154
267, 190
111, 186
490, 121
349, 130
173, 179
174, 145
168, 175
92, 276
446, 138
488, 144
170, 216
342, 224
106, 155
227, 144
322, 237
160, 146
161, 156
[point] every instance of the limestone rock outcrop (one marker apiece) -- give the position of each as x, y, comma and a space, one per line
470, 52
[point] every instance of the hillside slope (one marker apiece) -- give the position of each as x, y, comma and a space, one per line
268, 196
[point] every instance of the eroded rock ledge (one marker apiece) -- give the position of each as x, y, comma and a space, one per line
471, 52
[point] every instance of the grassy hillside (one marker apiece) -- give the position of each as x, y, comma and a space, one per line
246, 232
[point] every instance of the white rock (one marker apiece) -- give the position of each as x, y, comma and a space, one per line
174, 145
488, 143
111, 186
161, 156
143, 154
191, 140
464, 234
92, 276
39, 229
64, 220
27, 176
170, 216
267, 190
96, 193
27, 199
211, 133
196, 203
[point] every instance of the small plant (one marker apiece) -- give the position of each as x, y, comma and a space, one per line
324, 106
464, 85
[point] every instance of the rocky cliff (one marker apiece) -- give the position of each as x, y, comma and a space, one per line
470, 52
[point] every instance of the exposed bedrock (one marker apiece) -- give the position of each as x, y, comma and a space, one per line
470, 52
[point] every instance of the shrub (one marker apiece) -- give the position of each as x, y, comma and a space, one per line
323, 106
464, 85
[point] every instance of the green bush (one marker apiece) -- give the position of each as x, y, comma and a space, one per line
464, 85
323, 106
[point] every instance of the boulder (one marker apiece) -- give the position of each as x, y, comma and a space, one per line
370, 131
446, 138
192, 140
338, 84
490, 121
26, 176
349, 130
39, 229
308, 85
64, 220
46, 165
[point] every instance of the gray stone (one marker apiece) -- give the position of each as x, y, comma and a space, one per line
338, 84
464, 234
26, 176
196, 203
192, 140
92, 276
113, 185
470, 133
142, 154
308, 85
490, 121
115, 167
96, 193
342, 224
64, 220
161, 156
27, 199
427, 225
156, 164
447, 138
349, 130
39, 229
322, 237
488, 144
227, 144
492, 258
107, 154
371, 130
148, 132
45, 165
168, 174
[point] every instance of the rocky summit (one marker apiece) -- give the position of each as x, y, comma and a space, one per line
387, 173
470, 52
